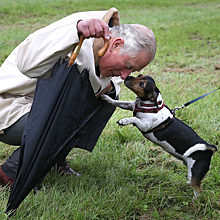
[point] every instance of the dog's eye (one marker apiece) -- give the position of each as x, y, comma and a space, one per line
141, 84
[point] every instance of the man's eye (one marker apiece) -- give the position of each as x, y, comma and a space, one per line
141, 84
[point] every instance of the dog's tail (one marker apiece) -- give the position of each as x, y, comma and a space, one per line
212, 148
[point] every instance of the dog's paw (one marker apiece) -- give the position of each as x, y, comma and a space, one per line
124, 121
106, 98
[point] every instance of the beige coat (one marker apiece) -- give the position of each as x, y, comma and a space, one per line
36, 56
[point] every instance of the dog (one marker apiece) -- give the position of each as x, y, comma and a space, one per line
158, 124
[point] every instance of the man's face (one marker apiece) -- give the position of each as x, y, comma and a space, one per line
115, 64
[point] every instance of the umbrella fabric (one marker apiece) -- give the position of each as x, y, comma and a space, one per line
64, 114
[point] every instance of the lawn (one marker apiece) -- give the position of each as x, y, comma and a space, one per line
126, 176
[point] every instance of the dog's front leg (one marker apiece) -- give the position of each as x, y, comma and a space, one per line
141, 124
121, 104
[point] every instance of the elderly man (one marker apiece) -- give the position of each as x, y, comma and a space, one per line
131, 48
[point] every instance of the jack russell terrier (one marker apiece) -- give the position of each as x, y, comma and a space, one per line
157, 123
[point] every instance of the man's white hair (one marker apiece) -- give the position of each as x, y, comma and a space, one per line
137, 38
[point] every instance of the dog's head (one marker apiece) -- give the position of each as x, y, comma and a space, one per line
143, 86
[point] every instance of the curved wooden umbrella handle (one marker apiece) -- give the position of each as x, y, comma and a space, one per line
77, 48
103, 50
75, 51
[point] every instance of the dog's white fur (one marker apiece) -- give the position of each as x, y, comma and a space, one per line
145, 122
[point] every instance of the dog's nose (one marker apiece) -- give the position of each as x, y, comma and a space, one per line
140, 75
129, 78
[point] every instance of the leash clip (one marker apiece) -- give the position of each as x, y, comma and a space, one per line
178, 108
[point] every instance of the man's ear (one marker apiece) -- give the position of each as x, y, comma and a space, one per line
117, 43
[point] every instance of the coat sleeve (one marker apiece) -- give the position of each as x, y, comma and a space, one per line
117, 84
38, 53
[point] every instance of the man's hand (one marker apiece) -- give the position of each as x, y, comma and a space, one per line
93, 28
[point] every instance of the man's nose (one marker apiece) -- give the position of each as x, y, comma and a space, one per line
125, 73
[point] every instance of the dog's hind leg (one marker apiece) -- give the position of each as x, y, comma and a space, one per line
199, 170
198, 164
194, 180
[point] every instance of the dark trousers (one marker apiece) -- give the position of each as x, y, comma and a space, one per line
13, 136
93, 129
89, 136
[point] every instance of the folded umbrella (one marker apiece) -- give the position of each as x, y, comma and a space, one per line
65, 114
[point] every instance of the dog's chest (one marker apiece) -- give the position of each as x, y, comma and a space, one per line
151, 117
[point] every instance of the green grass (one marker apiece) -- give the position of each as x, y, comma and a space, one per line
126, 176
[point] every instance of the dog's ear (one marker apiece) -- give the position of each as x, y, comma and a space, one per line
151, 90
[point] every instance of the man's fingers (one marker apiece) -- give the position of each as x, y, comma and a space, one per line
92, 31
106, 31
86, 32
93, 28
102, 29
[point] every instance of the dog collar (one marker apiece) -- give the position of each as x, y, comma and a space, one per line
148, 107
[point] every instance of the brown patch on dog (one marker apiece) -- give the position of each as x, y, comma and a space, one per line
137, 85
143, 86
196, 184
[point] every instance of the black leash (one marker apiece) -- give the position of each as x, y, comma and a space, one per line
190, 102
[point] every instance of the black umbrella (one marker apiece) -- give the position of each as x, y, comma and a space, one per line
65, 114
